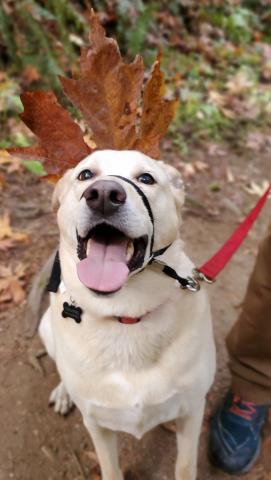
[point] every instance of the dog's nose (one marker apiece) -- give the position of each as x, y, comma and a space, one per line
105, 196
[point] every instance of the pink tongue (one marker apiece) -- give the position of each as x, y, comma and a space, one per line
104, 269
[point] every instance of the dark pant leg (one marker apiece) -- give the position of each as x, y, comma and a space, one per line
249, 341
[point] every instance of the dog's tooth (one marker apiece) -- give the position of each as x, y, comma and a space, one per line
88, 246
130, 251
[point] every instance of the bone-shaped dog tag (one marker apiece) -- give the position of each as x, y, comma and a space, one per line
71, 311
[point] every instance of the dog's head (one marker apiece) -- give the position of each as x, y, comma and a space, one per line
114, 209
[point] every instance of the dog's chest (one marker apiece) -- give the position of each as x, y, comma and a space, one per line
136, 418
98, 364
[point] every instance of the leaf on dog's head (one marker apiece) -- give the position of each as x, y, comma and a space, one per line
157, 113
107, 90
32, 152
108, 94
61, 143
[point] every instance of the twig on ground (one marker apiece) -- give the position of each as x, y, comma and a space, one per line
78, 463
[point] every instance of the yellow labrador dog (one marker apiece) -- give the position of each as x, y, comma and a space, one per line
133, 349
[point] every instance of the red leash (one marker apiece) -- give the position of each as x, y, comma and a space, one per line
219, 260
209, 270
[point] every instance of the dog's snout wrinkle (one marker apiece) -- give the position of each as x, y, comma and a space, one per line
105, 196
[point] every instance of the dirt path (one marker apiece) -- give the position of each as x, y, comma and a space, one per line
35, 443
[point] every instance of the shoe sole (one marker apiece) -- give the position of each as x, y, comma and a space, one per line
248, 467
244, 470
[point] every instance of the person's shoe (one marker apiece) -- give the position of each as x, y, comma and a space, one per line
235, 434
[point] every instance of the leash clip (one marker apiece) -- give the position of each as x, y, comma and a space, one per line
199, 276
192, 285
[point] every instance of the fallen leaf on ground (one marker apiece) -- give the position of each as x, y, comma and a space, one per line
92, 456
239, 83
6, 244
10, 163
190, 169
30, 74
256, 141
257, 189
230, 176
169, 426
12, 284
215, 150
187, 169
201, 166
217, 99
8, 236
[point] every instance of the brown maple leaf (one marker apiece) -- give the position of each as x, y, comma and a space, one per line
108, 94
157, 114
61, 143
107, 90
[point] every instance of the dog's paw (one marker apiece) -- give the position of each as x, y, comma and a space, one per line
61, 400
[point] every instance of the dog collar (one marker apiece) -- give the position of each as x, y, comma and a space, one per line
129, 320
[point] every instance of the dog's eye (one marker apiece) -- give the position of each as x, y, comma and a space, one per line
85, 175
146, 178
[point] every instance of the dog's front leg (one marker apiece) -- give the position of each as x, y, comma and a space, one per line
105, 443
188, 432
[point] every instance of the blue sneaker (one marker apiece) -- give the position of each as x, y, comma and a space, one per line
235, 435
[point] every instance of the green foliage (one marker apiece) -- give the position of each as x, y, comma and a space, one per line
35, 167
134, 23
37, 33
237, 22
7, 36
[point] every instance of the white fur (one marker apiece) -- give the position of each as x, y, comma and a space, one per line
132, 377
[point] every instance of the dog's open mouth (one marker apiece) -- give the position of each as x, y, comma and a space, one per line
107, 256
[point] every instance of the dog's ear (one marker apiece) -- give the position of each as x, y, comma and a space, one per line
176, 184
60, 190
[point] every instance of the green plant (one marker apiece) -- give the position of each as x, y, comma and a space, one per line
35, 167
36, 33
134, 23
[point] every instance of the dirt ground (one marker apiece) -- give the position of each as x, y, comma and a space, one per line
35, 443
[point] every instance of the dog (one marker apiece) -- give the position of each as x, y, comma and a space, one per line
139, 350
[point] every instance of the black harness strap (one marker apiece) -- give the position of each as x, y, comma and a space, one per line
157, 253
170, 272
145, 201
55, 278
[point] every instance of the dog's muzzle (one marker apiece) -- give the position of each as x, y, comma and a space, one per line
107, 254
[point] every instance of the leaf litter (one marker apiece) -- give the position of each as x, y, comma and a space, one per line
8, 236
12, 283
